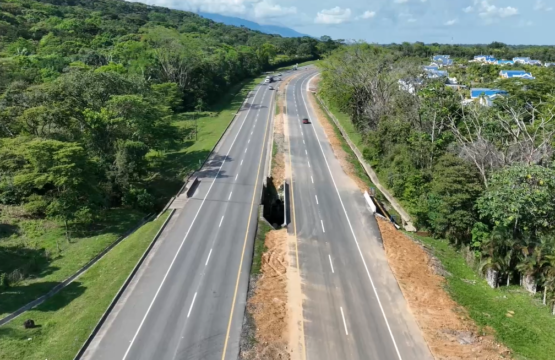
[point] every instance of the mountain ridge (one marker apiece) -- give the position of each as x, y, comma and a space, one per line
268, 29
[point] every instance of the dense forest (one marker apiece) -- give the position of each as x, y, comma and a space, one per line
481, 177
89, 91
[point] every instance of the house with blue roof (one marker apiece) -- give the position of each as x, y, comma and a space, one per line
505, 62
510, 74
488, 59
442, 60
526, 61
485, 96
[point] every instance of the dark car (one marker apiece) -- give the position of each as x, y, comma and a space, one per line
305, 121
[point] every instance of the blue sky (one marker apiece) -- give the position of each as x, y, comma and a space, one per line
386, 21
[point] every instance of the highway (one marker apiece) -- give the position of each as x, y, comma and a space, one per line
353, 307
188, 299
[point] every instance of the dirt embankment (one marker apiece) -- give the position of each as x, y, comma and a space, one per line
449, 332
268, 305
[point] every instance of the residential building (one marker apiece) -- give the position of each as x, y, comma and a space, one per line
505, 62
484, 96
410, 85
521, 60
488, 59
509, 74
549, 64
442, 60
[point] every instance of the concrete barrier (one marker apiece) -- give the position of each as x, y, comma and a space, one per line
369, 202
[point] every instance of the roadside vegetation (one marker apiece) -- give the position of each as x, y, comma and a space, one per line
65, 321
105, 107
479, 177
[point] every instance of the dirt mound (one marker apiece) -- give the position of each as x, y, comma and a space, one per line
268, 305
449, 332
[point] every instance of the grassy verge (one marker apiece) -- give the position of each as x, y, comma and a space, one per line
529, 332
30, 252
67, 319
259, 246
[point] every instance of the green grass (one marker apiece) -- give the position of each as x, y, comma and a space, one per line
31, 248
259, 245
530, 333
67, 318
306, 63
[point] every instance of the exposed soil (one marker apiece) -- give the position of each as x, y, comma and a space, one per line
268, 306
449, 332
335, 142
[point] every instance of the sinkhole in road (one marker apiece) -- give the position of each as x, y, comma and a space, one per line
272, 201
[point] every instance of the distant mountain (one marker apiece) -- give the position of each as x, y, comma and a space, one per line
268, 29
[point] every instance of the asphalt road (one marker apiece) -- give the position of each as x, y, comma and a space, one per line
188, 299
353, 307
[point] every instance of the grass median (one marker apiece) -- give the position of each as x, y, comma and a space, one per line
66, 320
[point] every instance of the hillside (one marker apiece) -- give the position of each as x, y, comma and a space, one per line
105, 106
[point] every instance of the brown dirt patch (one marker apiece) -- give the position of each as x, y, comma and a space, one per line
335, 142
268, 305
449, 332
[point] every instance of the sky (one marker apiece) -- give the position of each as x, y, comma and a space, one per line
388, 21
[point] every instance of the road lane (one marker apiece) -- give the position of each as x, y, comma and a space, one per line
179, 305
345, 315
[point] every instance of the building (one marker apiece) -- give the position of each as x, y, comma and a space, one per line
442, 60
505, 62
549, 64
488, 59
484, 96
510, 74
526, 61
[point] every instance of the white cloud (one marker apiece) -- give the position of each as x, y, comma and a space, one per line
335, 15
540, 5
487, 10
451, 22
368, 14
468, 9
411, 20
267, 9
402, 1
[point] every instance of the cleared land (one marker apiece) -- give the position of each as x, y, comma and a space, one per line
66, 319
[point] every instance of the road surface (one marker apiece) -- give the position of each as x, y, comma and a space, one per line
188, 299
353, 307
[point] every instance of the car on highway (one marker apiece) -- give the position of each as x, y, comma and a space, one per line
305, 121
271, 87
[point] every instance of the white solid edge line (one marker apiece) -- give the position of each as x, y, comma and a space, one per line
192, 303
352, 231
208, 259
316, 196
186, 234
331, 264
221, 221
344, 322
322, 222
